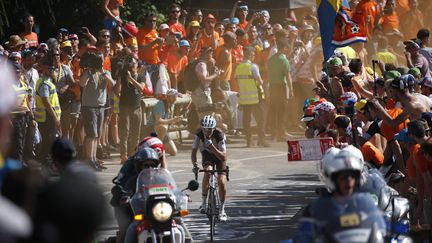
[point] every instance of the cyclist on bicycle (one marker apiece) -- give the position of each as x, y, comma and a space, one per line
211, 142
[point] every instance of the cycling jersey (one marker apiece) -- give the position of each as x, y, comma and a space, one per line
218, 138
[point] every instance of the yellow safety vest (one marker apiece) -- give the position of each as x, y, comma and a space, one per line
40, 113
22, 92
247, 84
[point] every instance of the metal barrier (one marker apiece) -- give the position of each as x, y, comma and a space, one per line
181, 107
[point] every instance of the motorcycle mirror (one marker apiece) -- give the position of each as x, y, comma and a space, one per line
193, 185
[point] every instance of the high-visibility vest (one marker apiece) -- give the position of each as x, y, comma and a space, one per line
40, 113
247, 84
22, 92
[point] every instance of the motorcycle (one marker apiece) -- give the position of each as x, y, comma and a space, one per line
158, 206
395, 207
350, 219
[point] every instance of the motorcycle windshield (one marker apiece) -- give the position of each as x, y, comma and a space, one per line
351, 219
376, 186
153, 182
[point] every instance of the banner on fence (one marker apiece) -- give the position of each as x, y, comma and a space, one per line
308, 149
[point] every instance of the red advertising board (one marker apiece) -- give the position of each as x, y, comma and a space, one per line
308, 149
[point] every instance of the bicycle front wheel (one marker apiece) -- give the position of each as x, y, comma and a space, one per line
212, 213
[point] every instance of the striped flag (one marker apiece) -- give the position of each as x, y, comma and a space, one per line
327, 12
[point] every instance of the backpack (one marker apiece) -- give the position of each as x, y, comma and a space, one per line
191, 79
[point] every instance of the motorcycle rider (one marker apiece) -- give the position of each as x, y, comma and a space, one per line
128, 168
126, 185
211, 142
341, 174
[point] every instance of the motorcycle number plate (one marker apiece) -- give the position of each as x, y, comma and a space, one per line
158, 190
349, 220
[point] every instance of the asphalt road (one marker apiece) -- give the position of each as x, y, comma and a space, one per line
266, 193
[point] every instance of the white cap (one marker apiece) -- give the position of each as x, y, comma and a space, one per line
15, 55
8, 78
163, 27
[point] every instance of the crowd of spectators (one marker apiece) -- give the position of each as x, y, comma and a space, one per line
375, 95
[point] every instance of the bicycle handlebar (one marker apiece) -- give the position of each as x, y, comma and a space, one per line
196, 170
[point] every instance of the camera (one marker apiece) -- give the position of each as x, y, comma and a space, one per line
177, 35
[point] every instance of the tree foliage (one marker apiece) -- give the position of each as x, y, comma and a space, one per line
50, 15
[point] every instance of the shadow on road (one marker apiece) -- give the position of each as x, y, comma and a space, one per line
267, 213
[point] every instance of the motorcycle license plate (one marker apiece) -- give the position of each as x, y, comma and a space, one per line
349, 220
158, 190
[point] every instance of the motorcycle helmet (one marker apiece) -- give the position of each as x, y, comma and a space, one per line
208, 122
343, 161
154, 143
146, 158
353, 151
327, 157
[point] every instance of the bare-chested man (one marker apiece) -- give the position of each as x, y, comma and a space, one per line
111, 8
413, 105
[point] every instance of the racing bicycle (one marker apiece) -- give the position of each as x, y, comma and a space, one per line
213, 201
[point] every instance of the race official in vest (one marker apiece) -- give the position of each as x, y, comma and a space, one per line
20, 115
251, 94
48, 110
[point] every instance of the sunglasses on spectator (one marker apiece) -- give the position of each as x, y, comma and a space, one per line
106, 36
175, 11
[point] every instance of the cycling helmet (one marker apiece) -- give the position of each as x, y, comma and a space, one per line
343, 161
154, 143
348, 98
146, 157
327, 157
409, 79
208, 122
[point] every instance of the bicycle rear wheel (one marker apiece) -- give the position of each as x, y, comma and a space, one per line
212, 213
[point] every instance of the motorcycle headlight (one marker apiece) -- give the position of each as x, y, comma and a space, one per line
162, 211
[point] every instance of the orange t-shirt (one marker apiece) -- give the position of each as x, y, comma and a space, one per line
388, 131
107, 64
176, 64
177, 27
421, 162
32, 39
164, 52
237, 54
364, 14
422, 165
390, 104
390, 22
410, 166
207, 41
372, 154
243, 25
144, 37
